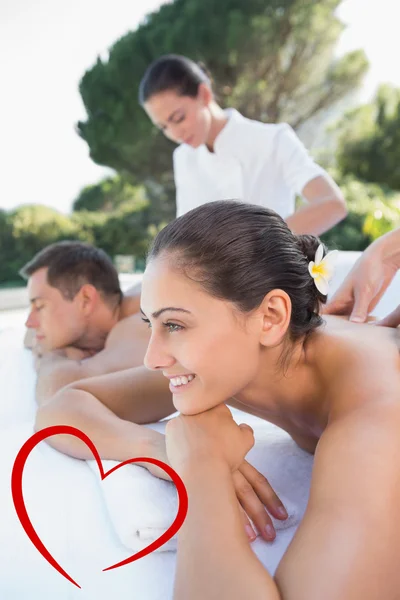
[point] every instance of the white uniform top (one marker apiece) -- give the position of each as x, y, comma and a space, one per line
259, 163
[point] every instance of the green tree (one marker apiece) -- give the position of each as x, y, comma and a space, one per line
369, 140
271, 59
126, 230
118, 193
109, 194
373, 211
7, 249
26, 230
35, 226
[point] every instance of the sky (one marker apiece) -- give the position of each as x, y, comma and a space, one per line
46, 46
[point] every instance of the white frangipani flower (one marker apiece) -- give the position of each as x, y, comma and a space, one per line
322, 269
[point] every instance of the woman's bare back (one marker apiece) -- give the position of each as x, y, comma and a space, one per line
329, 347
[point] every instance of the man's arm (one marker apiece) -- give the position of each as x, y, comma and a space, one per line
326, 207
125, 348
55, 370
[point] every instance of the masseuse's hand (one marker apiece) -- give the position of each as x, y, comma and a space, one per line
392, 319
215, 435
364, 286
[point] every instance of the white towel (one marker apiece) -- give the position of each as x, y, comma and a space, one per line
142, 507
66, 503
18, 380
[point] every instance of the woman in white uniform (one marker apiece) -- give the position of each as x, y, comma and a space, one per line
224, 155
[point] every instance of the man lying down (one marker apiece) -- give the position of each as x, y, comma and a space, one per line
82, 325
89, 343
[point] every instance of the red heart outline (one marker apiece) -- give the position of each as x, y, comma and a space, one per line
19, 503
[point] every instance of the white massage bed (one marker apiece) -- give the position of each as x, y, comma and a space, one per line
70, 510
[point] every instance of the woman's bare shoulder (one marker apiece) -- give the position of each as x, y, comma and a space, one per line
359, 364
339, 338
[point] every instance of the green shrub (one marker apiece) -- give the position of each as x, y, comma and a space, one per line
373, 211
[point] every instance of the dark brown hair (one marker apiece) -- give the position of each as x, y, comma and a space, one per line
240, 252
73, 264
173, 72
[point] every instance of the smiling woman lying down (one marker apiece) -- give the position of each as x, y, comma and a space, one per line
232, 298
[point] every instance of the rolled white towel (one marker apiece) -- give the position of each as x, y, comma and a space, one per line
141, 506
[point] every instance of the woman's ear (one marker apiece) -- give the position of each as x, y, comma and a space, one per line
275, 311
204, 94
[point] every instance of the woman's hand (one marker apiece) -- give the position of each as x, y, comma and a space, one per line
212, 434
215, 435
255, 494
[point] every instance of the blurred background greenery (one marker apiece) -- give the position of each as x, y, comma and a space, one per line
274, 60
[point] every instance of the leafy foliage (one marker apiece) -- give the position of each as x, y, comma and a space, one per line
30, 228
271, 59
373, 211
369, 142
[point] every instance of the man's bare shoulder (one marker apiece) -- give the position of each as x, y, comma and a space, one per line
125, 348
130, 329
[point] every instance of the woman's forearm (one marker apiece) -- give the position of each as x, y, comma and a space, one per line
387, 248
317, 217
326, 207
114, 438
215, 560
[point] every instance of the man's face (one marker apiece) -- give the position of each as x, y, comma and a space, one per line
58, 322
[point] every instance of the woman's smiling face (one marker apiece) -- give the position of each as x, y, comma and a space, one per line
207, 349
